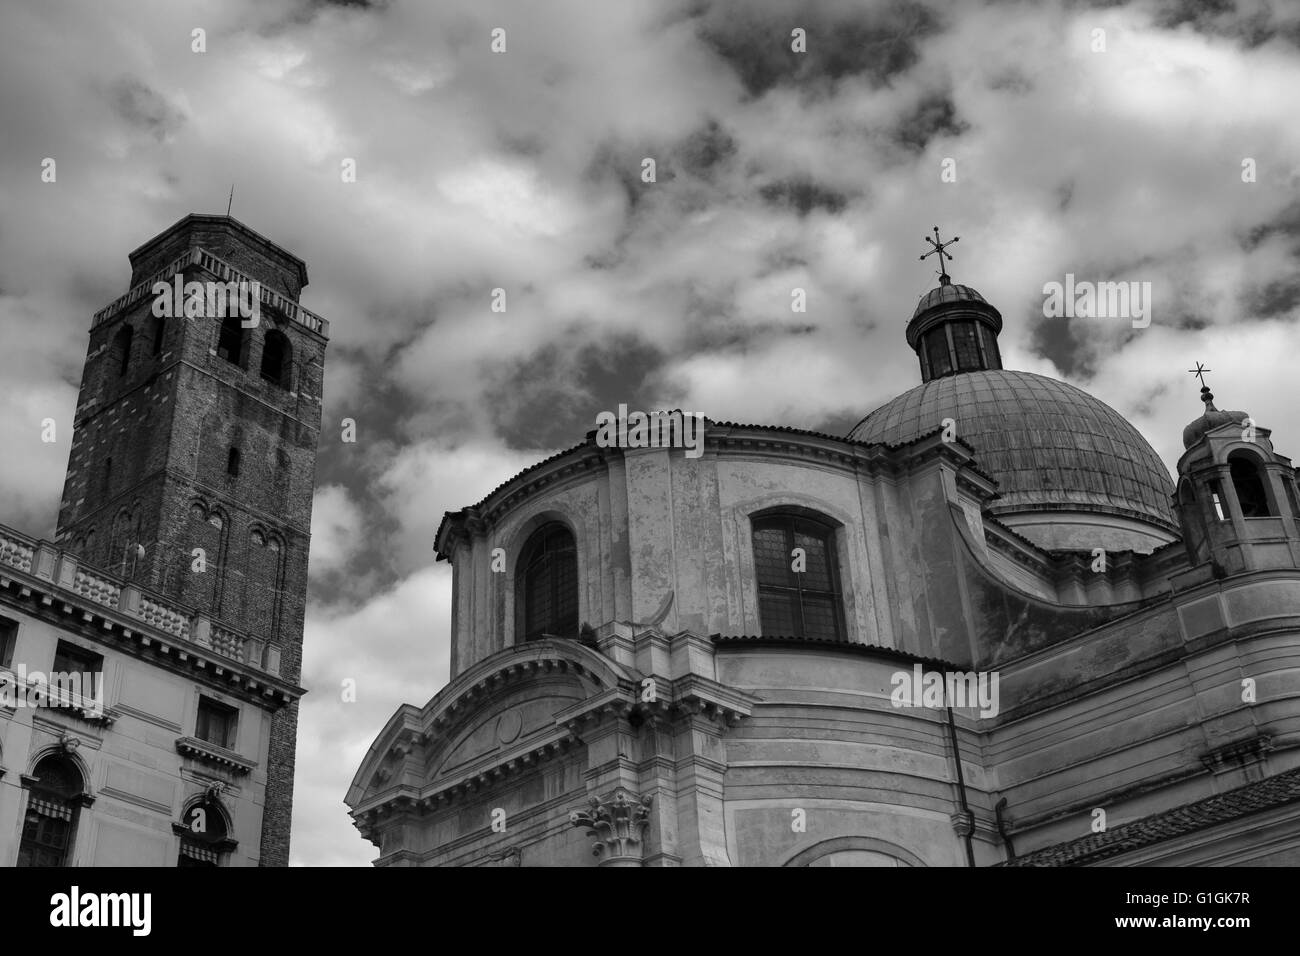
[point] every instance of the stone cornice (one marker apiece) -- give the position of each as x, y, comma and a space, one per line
212, 754
720, 438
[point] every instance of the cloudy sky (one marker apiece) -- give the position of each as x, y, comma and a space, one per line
521, 170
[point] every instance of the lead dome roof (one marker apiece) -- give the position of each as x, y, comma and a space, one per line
1050, 445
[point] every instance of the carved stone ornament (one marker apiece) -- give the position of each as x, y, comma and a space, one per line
617, 823
68, 743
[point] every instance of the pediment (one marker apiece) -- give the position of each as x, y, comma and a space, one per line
503, 727
508, 710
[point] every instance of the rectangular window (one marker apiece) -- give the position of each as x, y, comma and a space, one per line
964, 340
71, 659
798, 582
85, 668
216, 723
936, 350
990, 343
8, 640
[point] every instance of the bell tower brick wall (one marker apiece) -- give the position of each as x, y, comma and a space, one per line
206, 463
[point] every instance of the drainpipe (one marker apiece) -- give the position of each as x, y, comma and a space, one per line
961, 792
1002, 828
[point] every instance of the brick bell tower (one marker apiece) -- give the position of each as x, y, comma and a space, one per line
194, 449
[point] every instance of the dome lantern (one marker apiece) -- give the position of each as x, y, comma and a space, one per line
953, 329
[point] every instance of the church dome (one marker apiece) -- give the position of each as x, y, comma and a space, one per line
947, 294
1049, 445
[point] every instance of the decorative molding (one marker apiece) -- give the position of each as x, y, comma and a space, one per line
510, 856
617, 823
963, 823
211, 753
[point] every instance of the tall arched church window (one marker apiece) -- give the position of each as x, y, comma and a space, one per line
53, 803
798, 577
546, 583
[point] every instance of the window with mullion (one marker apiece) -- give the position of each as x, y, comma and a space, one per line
966, 344
797, 603
549, 584
44, 840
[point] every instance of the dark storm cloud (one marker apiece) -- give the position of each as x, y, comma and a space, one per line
533, 402
551, 398
1199, 13
803, 195
1190, 320
1010, 80
1251, 23
755, 40
1064, 194
620, 164
705, 149
616, 370
1286, 223
1273, 298
780, 260
1055, 340
144, 108
935, 115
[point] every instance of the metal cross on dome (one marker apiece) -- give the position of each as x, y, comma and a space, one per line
1199, 372
941, 249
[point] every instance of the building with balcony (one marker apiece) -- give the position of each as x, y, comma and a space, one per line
150, 654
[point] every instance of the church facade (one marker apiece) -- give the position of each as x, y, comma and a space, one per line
757, 656
150, 654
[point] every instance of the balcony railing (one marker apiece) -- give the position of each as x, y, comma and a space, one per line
64, 571
226, 273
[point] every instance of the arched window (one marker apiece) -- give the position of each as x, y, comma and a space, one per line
277, 358
546, 583
204, 834
798, 590
122, 349
50, 823
1246, 482
232, 342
